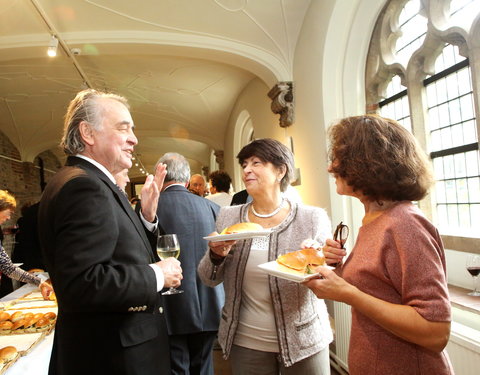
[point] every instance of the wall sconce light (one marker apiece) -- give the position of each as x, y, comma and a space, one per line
52, 47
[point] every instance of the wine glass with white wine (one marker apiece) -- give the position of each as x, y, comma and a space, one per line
168, 246
473, 268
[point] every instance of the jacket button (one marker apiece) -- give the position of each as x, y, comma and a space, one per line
160, 310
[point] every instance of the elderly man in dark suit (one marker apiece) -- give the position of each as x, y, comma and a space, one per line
193, 316
99, 258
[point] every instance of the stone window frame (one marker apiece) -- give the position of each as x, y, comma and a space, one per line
381, 66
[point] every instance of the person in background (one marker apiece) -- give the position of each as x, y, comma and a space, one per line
135, 202
193, 316
7, 207
97, 252
27, 247
197, 185
269, 325
219, 186
241, 197
395, 277
122, 179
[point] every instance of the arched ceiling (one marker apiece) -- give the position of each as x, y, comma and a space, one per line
180, 63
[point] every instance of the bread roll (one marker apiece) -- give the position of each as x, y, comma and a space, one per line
16, 316
302, 260
18, 326
42, 325
29, 325
6, 327
33, 270
50, 315
8, 353
242, 227
28, 315
4, 316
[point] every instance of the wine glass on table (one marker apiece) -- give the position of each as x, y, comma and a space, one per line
473, 267
168, 246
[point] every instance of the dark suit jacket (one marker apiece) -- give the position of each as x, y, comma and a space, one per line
239, 198
27, 247
191, 217
97, 255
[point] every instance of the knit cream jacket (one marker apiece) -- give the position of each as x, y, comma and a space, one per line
302, 321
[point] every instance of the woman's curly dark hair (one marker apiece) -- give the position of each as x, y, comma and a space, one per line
220, 180
380, 158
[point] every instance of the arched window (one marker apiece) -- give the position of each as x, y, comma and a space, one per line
412, 28
244, 134
421, 71
453, 141
395, 106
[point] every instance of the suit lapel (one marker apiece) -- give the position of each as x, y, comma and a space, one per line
119, 196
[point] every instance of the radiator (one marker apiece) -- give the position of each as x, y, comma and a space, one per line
463, 347
464, 350
342, 324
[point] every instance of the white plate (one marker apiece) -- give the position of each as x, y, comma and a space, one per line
239, 236
275, 269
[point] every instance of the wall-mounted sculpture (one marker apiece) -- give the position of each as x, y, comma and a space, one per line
283, 102
219, 159
206, 171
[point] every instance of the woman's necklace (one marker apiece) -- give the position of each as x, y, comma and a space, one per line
273, 213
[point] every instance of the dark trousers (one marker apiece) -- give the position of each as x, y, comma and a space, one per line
192, 354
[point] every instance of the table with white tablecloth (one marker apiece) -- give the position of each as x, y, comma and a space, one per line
37, 360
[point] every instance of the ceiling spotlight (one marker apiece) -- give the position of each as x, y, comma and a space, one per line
52, 47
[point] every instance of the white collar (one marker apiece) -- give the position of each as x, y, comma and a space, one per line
99, 166
175, 184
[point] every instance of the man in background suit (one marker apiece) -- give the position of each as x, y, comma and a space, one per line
27, 248
193, 316
122, 179
241, 197
101, 264
197, 185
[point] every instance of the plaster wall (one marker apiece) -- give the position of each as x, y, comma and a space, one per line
254, 100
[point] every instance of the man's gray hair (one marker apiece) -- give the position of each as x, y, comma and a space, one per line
178, 169
84, 107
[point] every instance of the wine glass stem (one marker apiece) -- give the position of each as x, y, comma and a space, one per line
475, 278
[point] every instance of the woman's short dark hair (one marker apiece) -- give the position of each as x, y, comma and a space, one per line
271, 151
220, 180
7, 201
380, 158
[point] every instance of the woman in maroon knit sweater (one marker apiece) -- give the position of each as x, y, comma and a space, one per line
395, 277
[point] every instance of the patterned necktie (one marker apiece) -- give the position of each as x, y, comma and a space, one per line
122, 191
